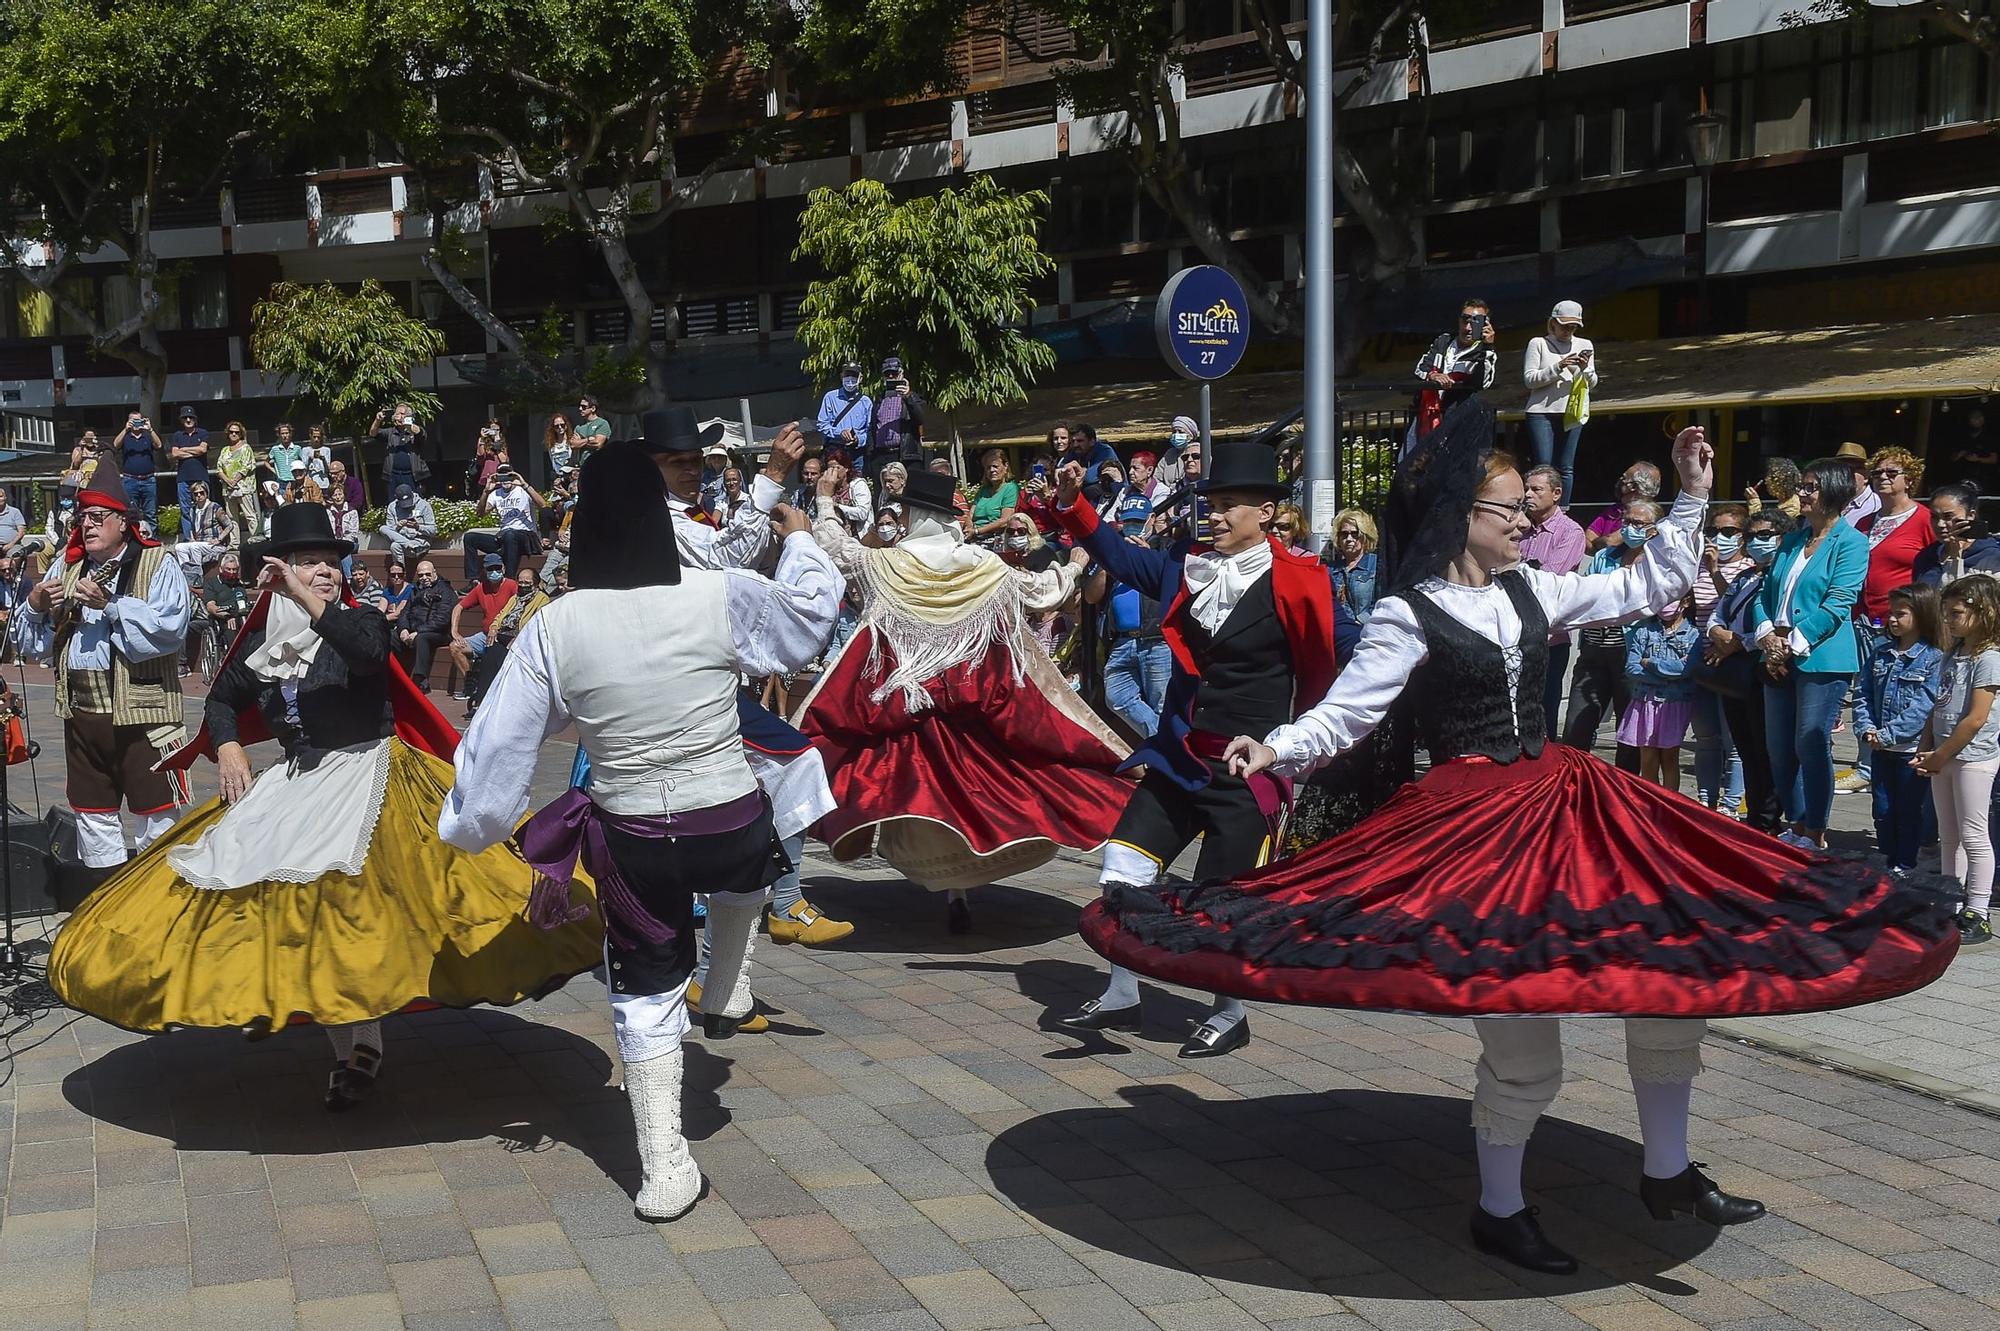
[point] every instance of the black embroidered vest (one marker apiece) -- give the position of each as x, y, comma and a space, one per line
1460, 692
1246, 666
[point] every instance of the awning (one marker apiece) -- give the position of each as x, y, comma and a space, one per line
1240, 406
1946, 357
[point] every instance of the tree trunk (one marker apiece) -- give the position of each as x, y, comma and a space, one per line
609, 230
468, 300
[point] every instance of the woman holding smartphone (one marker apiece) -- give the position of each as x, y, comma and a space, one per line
1551, 368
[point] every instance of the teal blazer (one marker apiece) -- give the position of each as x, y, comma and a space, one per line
1823, 604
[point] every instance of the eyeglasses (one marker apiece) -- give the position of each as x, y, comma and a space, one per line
1347, 534
1519, 508
92, 516
1885, 473
1808, 487
1725, 531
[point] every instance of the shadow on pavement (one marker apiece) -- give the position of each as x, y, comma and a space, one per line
1063, 986
1352, 1193
893, 915
447, 1077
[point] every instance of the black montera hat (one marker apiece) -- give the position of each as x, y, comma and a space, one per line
675, 430
1251, 468
302, 526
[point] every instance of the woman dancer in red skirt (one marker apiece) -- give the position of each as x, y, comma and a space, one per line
1518, 881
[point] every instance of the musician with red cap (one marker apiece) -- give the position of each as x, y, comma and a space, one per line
111, 616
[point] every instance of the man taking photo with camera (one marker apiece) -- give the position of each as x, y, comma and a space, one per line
1457, 365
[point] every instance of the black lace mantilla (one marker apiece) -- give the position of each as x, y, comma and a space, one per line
1816, 928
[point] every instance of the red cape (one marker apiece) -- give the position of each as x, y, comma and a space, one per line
418, 723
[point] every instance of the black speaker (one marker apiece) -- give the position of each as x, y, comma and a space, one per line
48, 875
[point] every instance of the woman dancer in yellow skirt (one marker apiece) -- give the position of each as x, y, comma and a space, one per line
318, 890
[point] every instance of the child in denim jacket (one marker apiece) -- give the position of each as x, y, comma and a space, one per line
1897, 690
1657, 652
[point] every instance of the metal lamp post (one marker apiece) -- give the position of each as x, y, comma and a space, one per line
1706, 130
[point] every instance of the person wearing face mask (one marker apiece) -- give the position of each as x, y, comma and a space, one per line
942, 724
1519, 881
889, 525
354, 908
1172, 470
1600, 680
1718, 772
1963, 545
1736, 685
845, 414
489, 596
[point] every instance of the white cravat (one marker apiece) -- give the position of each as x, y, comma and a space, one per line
1218, 581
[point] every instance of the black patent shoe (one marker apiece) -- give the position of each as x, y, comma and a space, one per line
1209, 1042
1518, 1238
350, 1082
1695, 1193
1094, 1016
958, 917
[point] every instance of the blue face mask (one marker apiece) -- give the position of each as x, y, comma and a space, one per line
1727, 547
849, 383
1177, 439
1636, 535
1763, 549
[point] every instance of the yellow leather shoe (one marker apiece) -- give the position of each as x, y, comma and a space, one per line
804, 923
753, 1024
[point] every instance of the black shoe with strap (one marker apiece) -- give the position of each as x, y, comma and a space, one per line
1211, 1040
1695, 1193
351, 1082
1094, 1016
1518, 1238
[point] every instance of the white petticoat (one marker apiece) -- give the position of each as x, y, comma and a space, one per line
293, 826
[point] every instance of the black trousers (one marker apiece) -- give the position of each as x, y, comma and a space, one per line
1745, 719
510, 544
1599, 683
416, 656
1161, 819
1552, 689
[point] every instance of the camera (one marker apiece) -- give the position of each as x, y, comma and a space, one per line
1479, 323
142, 424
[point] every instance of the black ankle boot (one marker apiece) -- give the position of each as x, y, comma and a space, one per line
718, 1027
1695, 1193
1518, 1238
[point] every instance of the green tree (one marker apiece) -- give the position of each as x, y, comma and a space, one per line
346, 354
942, 280
109, 111
583, 99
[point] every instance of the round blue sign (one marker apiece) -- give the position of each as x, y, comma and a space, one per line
1203, 322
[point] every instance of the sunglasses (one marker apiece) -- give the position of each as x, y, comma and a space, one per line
1885, 473
1725, 531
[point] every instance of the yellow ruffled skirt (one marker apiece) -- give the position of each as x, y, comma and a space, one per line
423, 923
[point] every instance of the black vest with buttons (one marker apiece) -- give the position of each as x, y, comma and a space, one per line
1459, 694
1245, 666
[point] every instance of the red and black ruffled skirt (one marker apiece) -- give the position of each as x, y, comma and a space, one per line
1551, 885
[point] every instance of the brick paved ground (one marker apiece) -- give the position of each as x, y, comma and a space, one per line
908, 1150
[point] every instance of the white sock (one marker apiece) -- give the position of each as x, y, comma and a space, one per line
1500, 1178
1228, 1011
342, 1040
1663, 1125
1123, 991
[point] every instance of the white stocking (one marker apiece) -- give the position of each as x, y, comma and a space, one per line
1663, 1125
1500, 1177
1124, 864
1228, 1011
733, 918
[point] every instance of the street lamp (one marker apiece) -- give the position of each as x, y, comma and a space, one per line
1706, 130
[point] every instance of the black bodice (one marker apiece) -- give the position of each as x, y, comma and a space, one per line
1459, 694
342, 701
1247, 679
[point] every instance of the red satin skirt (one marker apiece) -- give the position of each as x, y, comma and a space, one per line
1550, 885
992, 758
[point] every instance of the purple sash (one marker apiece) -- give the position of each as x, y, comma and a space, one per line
572, 829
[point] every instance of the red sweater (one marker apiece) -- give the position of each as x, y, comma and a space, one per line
1890, 559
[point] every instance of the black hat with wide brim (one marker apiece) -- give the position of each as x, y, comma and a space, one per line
675, 430
932, 490
301, 526
1245, 467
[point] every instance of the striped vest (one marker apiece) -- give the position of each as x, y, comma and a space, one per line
142, 693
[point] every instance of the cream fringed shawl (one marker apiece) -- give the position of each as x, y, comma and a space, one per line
937, 603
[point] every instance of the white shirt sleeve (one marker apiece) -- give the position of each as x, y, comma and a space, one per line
1662, 575
1391, 648
150, 626
781, 622
496, 758
834, 537
743, 538
1050, 588
858, 507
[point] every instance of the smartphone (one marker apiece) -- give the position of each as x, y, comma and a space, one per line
1039, 471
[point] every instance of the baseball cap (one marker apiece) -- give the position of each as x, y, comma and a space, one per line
491, 560
892, 365
1567, 312
715, 451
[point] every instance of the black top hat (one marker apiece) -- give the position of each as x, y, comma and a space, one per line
674, 430
302, 526
1251, 468
932, 490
